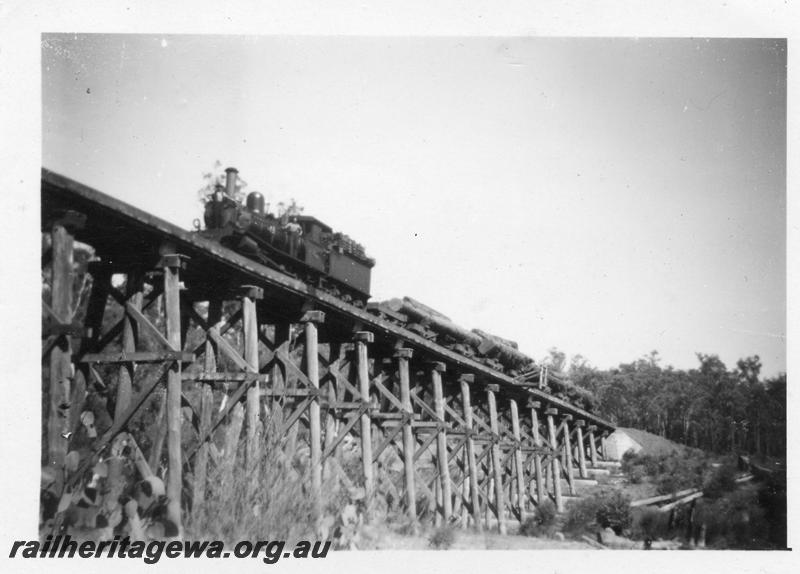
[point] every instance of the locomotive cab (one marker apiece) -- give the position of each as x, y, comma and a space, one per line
313, 228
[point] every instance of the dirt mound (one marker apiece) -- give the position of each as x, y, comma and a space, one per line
653, 444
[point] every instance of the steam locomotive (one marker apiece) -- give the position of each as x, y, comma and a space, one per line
299, 245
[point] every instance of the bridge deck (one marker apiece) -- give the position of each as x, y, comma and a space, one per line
127, 236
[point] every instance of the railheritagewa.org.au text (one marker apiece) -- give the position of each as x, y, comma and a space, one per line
268, 551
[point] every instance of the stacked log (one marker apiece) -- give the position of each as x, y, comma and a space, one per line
496, 339
497, 352
420, 313
493, 347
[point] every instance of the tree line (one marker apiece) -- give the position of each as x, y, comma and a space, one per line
710, 407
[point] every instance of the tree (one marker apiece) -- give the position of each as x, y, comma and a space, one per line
557, 360
775, 416
709, 407
216, 178
748, 369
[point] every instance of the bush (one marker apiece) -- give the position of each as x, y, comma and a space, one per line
603, 510
543, 521
677, 472
529, 527
639, 466
403, 525
650, 523
669, 472
614, 511
629, 460
652, 464
582, 516
668, 483
734, 521
722, 481
546, 513
772, 498
637, 474
442, 538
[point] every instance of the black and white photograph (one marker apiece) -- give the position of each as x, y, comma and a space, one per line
312, 296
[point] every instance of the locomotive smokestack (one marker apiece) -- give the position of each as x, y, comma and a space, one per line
230, 181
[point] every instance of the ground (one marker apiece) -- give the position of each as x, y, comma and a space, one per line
383, 538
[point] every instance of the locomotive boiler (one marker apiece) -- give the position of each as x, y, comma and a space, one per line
299, 245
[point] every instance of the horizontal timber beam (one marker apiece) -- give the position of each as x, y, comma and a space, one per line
138, 357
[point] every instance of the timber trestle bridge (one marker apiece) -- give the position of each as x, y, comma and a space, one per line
225, 343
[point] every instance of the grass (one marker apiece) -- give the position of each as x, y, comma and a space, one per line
443, 537
542, 523
265, 498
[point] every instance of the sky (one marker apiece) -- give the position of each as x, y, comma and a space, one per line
605, 196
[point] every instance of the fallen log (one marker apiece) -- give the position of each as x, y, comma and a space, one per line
681, 497
684, 500
662, 498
